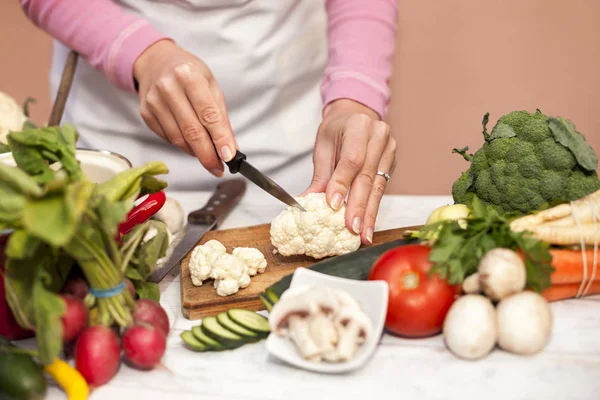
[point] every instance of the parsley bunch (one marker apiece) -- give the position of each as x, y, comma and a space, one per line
456, 252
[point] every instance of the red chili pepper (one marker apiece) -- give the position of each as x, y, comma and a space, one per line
142, 212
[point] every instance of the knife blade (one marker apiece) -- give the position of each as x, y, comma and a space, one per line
239, 164
226, 196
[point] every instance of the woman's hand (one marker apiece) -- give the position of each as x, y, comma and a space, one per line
352, 145
181, 102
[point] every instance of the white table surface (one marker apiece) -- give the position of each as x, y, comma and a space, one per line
568, 368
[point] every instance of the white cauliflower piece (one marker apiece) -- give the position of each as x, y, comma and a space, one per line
254, 259
230, 274
11, 116
202, 260
319, 232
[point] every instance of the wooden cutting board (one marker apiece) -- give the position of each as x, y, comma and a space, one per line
201, 301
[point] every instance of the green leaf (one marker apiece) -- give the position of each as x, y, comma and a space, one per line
133, 274
4, 148
564, 133
50, 219
127, 184
21, 245
150, 184
502, 130
70, 137
19, 181
48, 310
32, 162
147, 290
150, 251
11, 205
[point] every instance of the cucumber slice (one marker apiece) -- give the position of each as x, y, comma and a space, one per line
268, 305
214, 330
227, 323
250, 320
209, 342
192, 343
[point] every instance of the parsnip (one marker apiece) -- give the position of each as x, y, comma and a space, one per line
568, 235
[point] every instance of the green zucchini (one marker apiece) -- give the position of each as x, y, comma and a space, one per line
21, 377
250, 320
227, 323
212, 329
192, 343
209, 342
355, 265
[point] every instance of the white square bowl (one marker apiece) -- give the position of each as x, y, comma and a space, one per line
373, 298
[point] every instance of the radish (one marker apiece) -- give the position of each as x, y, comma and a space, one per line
152, 313
97, 354
144, 345
77, 287
75, 318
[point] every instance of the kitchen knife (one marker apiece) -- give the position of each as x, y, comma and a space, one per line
239, 164
224, 199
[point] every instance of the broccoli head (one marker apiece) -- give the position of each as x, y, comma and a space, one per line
528, 161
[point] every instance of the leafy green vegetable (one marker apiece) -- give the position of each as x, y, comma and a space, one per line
456, 252
4, 148
147, 290
48, 309
528, 161
564, 133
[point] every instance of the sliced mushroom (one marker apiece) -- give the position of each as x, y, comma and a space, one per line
354, 327
299, 332
323, 331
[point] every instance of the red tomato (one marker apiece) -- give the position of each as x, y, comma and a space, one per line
417, 303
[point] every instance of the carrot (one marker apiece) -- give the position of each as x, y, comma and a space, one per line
568, 291
568, 266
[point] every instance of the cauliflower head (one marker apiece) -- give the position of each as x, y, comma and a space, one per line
230, 274
528, 161
254, 259
318, 232
202, 259
12, 117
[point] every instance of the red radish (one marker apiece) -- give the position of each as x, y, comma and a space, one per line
97, 354
77, 287
144, 345
150, 312
130, 287
75, 318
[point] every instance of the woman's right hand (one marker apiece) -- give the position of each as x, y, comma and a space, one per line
181, 102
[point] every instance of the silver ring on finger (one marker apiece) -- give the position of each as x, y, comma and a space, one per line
385, 175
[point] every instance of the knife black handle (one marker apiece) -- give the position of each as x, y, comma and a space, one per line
235, 162
223, 200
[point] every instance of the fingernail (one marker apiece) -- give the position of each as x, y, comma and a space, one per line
336, 201
217, 172
369, 235
226, 153
356, 224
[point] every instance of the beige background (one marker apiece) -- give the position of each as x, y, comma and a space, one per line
455, 60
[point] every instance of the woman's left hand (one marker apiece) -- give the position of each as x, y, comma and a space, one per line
352, 145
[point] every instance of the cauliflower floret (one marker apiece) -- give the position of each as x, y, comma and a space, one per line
11, 116
319, 232
202, 259
254, 259
230, 274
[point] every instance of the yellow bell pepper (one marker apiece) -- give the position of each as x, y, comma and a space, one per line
67, 377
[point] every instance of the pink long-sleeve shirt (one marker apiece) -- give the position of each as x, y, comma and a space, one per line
361, 35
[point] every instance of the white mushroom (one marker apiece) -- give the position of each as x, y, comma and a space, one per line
354, 327
324, 333
471, 284
524, 323
171, 213
300, 334
501, 273
470, 327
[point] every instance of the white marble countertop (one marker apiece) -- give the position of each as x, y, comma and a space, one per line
568, 368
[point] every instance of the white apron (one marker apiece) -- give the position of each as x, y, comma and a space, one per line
268, 57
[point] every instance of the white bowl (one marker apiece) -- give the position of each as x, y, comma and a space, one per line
373, 298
